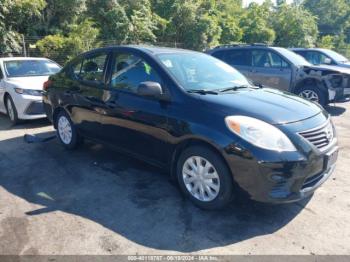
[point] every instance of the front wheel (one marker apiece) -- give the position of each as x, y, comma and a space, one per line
313, 94
66, 131
204, 178
11, 110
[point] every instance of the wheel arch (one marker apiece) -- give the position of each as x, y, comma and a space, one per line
55, 113
186, 143
6, 95
310, 81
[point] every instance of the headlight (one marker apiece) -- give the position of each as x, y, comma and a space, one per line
30, 92
259, 133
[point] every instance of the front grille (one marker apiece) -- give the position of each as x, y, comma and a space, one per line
321, 136
35, 108
313, 180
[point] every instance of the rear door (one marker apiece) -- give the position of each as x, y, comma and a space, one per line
240, 59
270, 69
86, 90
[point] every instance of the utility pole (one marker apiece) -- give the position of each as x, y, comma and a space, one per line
24, 46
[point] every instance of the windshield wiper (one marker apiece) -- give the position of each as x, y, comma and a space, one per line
202, 91
233, 88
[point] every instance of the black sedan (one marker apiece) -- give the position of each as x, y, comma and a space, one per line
196, 117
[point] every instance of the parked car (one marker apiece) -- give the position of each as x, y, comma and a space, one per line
198, 118
283, 69
21, 84
321, 56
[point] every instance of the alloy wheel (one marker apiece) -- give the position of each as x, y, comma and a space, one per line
65, 130
201, 178
10, 110
310, 95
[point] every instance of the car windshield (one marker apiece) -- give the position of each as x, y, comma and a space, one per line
25, 68
293, 57
335, 56
196, 71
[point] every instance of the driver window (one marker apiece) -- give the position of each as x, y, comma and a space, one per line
318, 58
130, 70
267, 59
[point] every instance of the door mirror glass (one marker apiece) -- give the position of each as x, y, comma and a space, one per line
150, 89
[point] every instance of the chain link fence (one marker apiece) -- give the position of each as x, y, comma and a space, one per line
30, 49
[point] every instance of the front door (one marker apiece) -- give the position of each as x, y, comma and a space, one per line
135, 123
271, 70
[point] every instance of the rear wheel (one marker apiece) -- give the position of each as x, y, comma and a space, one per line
204, 178
66, 131
11, 110
313, 94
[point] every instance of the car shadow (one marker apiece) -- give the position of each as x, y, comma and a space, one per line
5, 123
334, 110
129, 197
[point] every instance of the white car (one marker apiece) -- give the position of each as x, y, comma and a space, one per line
21, 86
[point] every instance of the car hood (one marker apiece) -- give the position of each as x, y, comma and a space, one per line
32, 82
270, 105
332, 68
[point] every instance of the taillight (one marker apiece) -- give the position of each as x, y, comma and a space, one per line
47, 85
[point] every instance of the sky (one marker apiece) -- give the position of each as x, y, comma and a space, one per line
247, 2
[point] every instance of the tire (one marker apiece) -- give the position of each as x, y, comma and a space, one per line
66, 131
219, 178
11, 110
314, 94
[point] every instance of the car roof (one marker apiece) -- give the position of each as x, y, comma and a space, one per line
22, 58
307, 49
231, 47
152, 50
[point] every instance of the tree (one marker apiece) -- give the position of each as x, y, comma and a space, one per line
333, 15
294, 26
58, 15
15, 19
229, 13
255, 25
111, 18
326, 41
82, 37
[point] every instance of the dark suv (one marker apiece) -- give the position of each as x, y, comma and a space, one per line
285, 70
198, 118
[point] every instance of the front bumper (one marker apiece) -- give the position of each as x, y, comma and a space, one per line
274, 177
29, 107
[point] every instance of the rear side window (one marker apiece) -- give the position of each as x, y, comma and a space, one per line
130, 70
235, 57
90, 68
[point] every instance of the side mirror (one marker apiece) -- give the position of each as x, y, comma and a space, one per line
327, 61
150, 89
258, 84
